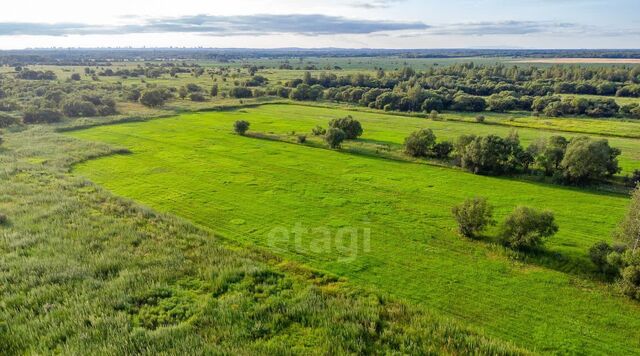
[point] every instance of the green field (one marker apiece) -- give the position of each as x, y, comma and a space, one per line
254, 191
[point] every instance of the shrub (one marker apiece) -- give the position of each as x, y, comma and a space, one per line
443, 149
3, 219
334, 137
351, 127
153, 97
240, 127
240, 92
197, 97
302, 138
473, 216
606, 257
318, 131
629, 284
7, 120
78, 108
433, 115
75, 76
526, 228
41, 116
480, 118
420, 143
9, 105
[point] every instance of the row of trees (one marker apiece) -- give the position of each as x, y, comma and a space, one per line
418, 99
524, 229
580, 160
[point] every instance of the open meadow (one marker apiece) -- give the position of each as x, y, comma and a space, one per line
382, 224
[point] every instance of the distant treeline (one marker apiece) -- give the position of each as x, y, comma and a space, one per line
90, 56
470, 87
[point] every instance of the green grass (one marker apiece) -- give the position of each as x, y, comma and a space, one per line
84, 272
244, 188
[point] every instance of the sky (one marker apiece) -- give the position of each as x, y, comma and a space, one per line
322, 23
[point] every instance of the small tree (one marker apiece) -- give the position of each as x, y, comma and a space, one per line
349, 125
318, 131
526, 228
214, 90
480, 118
420, 143
241, 127
334, 137
473, 216
75, 76
586, 160
152, 97
629, 229
198, 97
443, 149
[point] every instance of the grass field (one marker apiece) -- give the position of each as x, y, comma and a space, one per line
85, 272
260, 192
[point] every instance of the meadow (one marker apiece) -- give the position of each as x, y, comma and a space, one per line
380, 224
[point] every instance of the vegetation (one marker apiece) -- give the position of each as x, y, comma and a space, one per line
473, 216
241, 126
351, 127
526, 228
88, 272
334, 137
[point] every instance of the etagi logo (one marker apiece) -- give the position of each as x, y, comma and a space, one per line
346, 243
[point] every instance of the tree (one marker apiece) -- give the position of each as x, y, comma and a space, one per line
420, 143
183, 92
604, 256
241, 126
629, 229
527, 228
443, 149
334, 137
75, 76
351, 127
473, 216
587, 160
549, 153
152, 97
214, 91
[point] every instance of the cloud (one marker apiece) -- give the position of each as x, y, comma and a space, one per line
375, 4
507, 28
219, 26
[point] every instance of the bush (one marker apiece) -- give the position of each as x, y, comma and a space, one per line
240, 93
604, 256
334, 137
443, 149
240, 127
41, 116
318, 131
351, 127
302, 138
7, 120
420, 143
526, 228
75, 76
197, 97
153, 97
629, 284
480, 118
473, 216
3, 219
78, 108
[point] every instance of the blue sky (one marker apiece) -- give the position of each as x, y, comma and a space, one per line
323, 23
